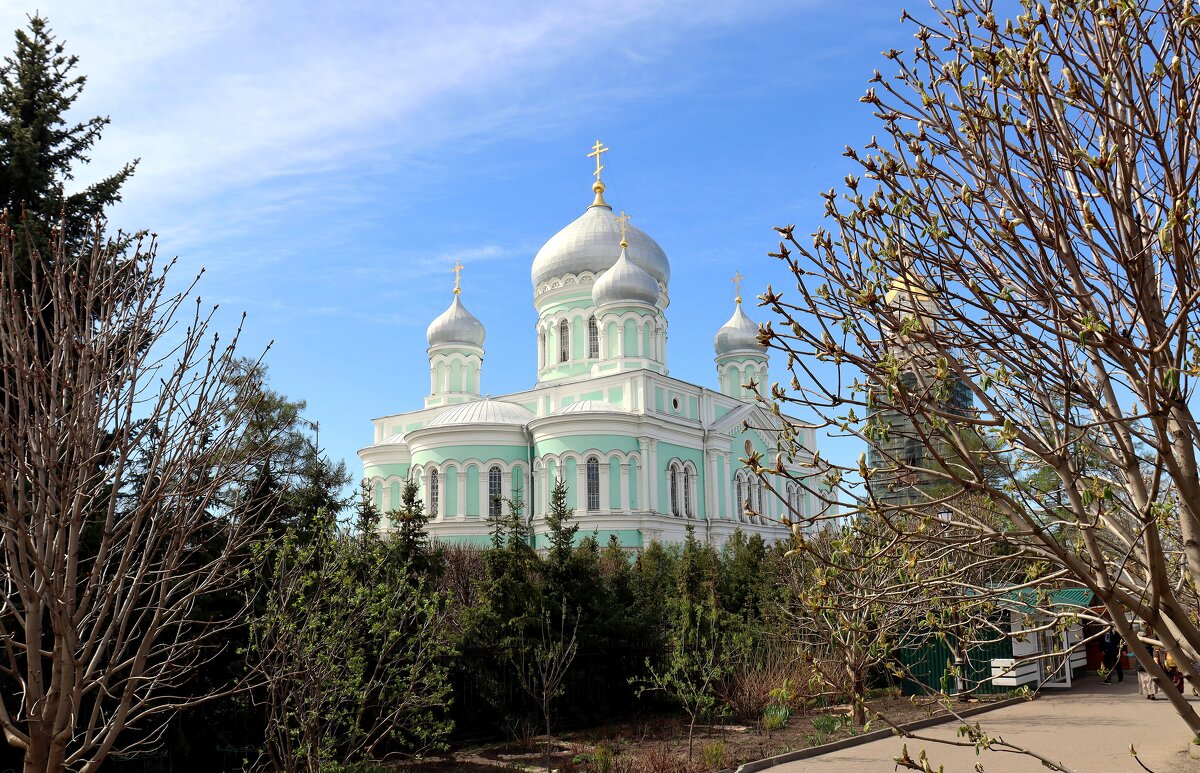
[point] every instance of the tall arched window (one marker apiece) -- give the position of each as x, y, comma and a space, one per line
564, 341
494, 492
687, 492
433, 494
674, 491
593, 483
593, 338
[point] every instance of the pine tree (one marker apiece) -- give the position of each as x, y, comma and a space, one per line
39, 148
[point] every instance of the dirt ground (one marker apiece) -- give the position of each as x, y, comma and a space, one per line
660, 745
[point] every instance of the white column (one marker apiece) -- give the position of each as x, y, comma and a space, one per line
544, 490
651, 475
605, 505
623, 505
505, 486
460, 496
711, 510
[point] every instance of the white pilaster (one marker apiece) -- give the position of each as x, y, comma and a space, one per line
605, 505
623, 505
460, 483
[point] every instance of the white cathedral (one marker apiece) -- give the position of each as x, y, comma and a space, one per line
643, 455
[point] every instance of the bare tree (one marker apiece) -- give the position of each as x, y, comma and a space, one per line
1005, 306
850, 610
116, 445
542, 666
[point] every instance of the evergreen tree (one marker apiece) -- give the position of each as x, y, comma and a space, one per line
39, 148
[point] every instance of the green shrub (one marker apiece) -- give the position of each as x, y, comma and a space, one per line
715, 755
828, 723
775, 717
604, 758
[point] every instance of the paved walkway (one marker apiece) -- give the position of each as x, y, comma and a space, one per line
1088, 728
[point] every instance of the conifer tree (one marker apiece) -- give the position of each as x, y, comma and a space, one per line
40, 148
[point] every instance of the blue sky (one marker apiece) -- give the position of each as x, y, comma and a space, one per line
327, 163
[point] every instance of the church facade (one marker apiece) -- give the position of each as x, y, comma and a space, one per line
643, 455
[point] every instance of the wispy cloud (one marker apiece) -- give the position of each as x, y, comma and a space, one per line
243, 93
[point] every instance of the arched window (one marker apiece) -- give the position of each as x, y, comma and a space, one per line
674, 491
494, 492
687, 492
564, 341
593, 338
433, 494
593, 483
541, 348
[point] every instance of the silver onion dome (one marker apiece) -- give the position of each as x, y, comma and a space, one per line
591, 243
455, 325
625, 282
738, 334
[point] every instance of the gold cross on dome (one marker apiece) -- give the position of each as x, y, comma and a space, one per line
597, 149
623, 222
737, 285
458, 267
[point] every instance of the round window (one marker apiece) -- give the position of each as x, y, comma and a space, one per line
675, 403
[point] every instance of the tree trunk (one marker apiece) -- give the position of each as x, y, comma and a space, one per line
860, 696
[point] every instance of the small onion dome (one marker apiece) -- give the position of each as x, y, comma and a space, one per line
625, 282
455, 325
588, 406
739, 333
485, 411
589, 244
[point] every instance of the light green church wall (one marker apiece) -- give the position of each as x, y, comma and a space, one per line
660, 400
611, 336
581, 443
450, 492
693, 408
483, 453
394, 494
633, 487
571, 476
386, 471
667, 452
631, 338
578, 342
472, 508
616, 395
720, 410
614, 482
597, 395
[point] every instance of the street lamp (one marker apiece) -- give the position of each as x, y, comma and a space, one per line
960, 654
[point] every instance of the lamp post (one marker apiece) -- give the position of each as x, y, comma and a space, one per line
960, 654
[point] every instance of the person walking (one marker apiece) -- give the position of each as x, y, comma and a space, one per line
1146, 683
1110, 647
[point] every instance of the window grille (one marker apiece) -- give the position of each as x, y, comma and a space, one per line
593, 338
687, 492
564, 341
433, 494
674, 492
593, 483
494, 492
